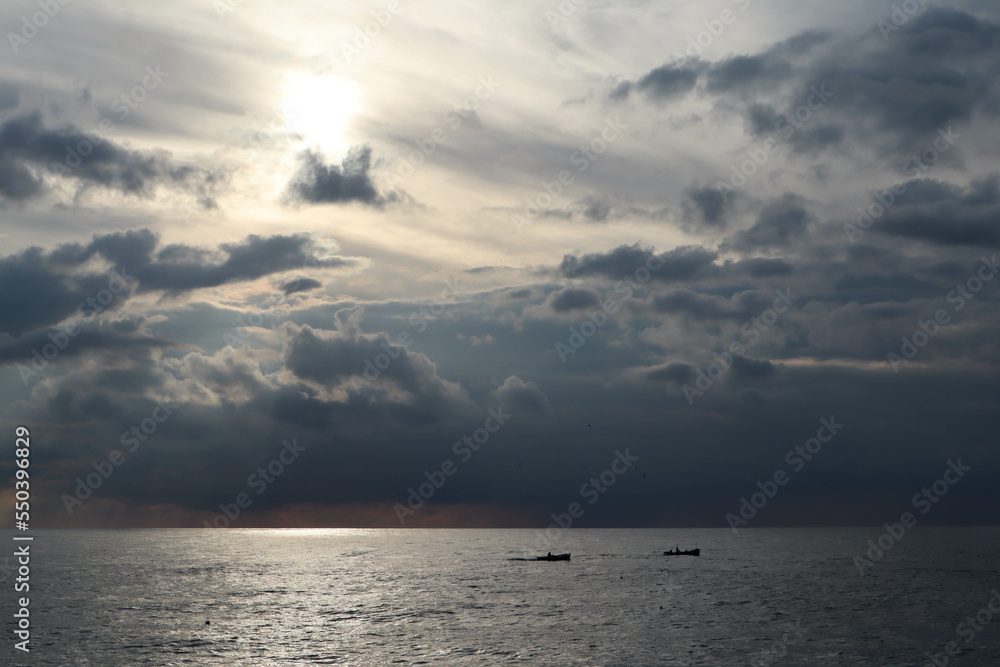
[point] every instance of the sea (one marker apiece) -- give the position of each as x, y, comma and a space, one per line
457, 597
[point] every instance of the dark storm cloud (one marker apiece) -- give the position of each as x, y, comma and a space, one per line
55, 285
745, 70
523, 399
520, 294
333, 359
27, 147
781, 222
764, 70
300, 285
374, 413
677, 372
760, 71
745, 367
253, 258
48, 291
319, 183
936, 70
664, 82
946, 214
88, 338
708, 205
677, 264
761, 267
708, 307
571, 298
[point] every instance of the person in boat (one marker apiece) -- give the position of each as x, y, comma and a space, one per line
550, 554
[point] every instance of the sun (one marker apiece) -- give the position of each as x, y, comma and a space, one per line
320, 109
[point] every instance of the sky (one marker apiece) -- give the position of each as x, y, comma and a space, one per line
405, 264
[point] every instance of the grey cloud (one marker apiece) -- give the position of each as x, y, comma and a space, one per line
945, 214
761, 267
745, 367
676, 371
664, 82
708, 204
319, 183
87, 339
334, 359
710, 307
570, 298
27, 147
54, 286
677, 264
523, 399
936, 71
779, 223
300, 285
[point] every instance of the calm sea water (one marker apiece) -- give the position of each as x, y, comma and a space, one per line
383, 597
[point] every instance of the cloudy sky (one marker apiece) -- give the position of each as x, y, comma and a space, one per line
521, 243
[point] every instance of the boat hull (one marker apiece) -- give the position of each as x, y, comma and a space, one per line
692, 552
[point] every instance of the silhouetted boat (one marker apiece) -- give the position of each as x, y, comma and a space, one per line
554, 557
678, 552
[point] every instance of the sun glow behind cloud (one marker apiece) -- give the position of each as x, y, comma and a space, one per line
320, 109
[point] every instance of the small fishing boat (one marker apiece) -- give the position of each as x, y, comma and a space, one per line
678, 552
554, 557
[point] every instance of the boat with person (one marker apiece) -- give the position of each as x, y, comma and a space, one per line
553, 557
677, 552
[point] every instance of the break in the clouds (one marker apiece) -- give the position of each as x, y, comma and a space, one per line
795, 218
